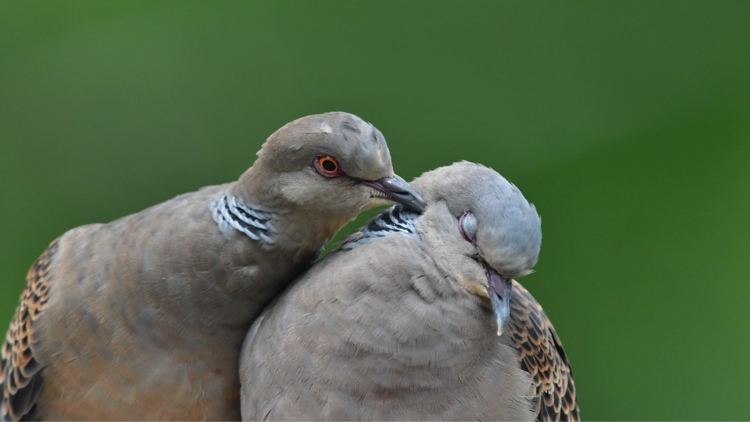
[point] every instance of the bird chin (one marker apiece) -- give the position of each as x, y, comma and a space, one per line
377, 202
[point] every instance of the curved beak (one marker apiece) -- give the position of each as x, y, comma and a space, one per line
397, 190
499, 289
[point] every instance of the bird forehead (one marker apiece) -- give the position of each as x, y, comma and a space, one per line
362, 150
326, 128
465, 186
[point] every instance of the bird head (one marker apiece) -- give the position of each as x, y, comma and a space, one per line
480, 229
332, 163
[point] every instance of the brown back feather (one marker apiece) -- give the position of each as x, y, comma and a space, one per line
541, 354
20, 372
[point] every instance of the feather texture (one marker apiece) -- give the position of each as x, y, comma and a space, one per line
20, 372
541, 354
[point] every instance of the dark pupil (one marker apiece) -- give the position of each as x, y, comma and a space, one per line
329, 165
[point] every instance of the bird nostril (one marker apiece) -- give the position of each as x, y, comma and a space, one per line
393, 185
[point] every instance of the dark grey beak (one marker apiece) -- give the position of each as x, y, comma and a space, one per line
499, 290
397, 190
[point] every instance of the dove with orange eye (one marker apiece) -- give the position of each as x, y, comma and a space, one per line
393, 188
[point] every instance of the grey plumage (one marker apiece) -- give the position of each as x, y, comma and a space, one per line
398, 325
144, 317
510, 227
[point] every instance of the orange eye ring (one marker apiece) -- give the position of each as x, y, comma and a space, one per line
327, 166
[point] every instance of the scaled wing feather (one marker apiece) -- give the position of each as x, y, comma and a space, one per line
20, 372
541, 354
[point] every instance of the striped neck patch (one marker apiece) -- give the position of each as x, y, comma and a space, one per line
230, 212
395, 220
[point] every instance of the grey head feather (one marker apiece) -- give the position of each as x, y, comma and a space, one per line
359, 146
509, 230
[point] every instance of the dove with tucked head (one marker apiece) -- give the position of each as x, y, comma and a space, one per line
417, 317
144, 317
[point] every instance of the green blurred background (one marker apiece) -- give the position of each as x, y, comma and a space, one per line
627, 124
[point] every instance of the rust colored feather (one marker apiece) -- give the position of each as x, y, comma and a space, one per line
20, 372
541, 354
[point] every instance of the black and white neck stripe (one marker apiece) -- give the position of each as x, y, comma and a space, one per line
230, 212
395, 220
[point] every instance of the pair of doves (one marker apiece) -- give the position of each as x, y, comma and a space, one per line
145, 317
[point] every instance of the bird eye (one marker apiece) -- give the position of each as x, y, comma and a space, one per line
327, 166
467, 224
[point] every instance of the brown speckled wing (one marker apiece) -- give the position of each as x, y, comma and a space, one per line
20, 372
542, 355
